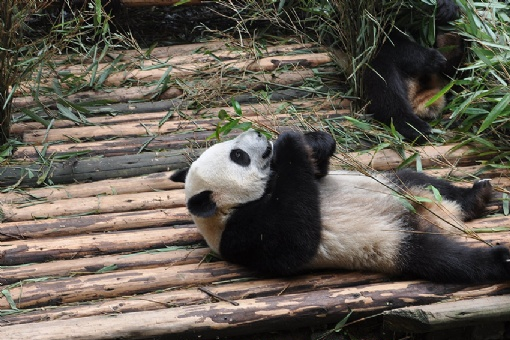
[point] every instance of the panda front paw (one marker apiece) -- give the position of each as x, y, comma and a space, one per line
447, 10
291, 149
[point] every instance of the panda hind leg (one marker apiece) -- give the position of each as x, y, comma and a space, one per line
442, 258
473, 201
474, 204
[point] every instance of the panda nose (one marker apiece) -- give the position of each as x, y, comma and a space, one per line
259, 134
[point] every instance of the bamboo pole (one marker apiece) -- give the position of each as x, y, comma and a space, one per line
107, 222
95, 205
41, 250
246, 317
448, 315
165, 257
152, 182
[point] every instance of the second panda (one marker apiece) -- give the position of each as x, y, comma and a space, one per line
275, 208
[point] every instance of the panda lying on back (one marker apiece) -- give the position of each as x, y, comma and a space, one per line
276, 209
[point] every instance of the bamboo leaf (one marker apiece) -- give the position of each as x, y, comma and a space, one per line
495, 112
9, 299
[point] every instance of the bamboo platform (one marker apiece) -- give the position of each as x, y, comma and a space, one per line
109, 251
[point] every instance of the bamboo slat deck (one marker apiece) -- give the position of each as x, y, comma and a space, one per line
109, 252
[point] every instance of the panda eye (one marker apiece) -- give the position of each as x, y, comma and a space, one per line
240, 157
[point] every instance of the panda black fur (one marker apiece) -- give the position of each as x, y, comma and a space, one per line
404, 76
277, 210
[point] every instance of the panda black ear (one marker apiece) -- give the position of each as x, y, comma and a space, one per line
179, 175
202, 205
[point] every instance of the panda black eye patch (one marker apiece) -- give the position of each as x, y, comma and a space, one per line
240, 157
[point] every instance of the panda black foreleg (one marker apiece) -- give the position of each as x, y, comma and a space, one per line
441, 258
279, 233
323, 146
473, 201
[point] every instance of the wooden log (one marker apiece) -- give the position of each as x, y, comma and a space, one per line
94, 169
28, 251
95, 205
118, 283
152, 128
231, 291
152, 182
264, 64
165, 257
130, 114
224, 319
448, 315
76, 225
114, 95
121, 146
148, 92
431, 156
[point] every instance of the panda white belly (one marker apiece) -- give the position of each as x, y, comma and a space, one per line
363, 228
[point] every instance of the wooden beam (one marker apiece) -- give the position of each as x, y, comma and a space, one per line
94, 169
164, 257
95, 205
245, 317
448, 315
41, 250
75, 225
118, 283
152, 182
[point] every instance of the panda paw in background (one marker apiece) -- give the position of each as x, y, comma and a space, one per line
447, 10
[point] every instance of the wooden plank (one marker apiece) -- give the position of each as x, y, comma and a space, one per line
224, 319
153, 127
94, 169
266, 64
75, 225
138, 112
41, 250
118, 283
95, 205
121, 146
164, 257
152, 182
255, 287
149, 92
448, 315
431, 156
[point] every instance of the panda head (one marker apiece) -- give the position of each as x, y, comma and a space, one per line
227, 174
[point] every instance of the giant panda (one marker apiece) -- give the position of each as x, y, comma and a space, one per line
404, 76
275, 208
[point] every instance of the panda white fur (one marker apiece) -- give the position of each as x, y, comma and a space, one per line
275, 208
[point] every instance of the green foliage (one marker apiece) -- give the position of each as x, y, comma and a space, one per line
228, 122
27, 53
482, 102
